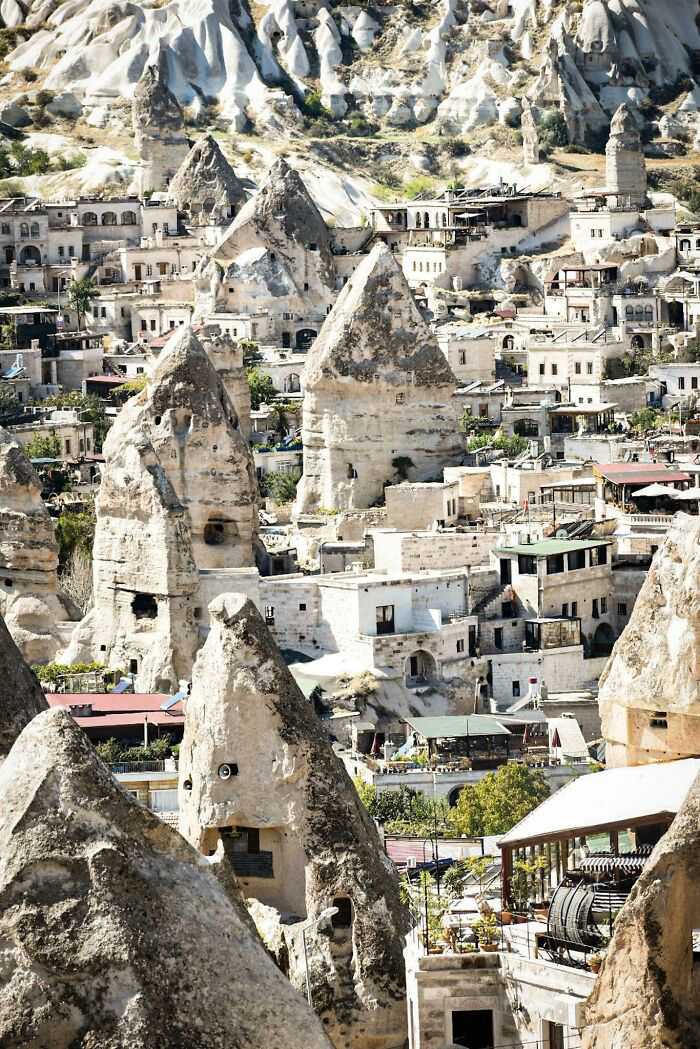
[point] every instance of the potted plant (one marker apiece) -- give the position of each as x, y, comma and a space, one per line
486, 932
595, 962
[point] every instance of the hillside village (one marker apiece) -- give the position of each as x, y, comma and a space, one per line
315, 538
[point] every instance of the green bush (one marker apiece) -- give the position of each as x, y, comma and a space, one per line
359, 127
552, 129
280, 487
74, 531
497, 802
262, 388
313, 107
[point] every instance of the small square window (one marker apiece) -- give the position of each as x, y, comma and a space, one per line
621, 608
302, 606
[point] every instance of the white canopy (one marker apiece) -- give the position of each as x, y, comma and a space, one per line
652, 490
615, 798
689, 495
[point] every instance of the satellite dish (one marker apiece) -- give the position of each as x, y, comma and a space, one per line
561, 533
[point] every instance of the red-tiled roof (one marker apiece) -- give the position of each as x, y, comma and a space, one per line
107, 703
130, 719
639, 473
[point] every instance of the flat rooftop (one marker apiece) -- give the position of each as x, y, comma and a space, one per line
549, 547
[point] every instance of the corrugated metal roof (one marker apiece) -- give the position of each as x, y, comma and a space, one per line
639, 473
453, 727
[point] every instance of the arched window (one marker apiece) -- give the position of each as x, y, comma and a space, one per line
419, 220
30, 256
639, 313
508, 342
109, 218
292, 383
426, 220
697, 243
444, 218
35, 229
128, 218
648, 314
352, 472
89, 218
24, 229
629, 313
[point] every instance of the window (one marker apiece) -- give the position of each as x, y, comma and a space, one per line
385, 619
542, 368
163, 800
621, 608
555, 369
515, 688
109, 218
302, 606
400, 398
343, 919
153, 325
306, 285
460, 645
133, 666
589, 368
555, 564
603, 605
594, 610
35, 229
577, 559
67, 445
103, 311
144, 326
269, 615
527, 564
144, 606
565, 608
599, 555
61, 251
574, 608
5, 229
659, 719
498, 637
577, 367
681, 382
313, 246
23, 229
694, 382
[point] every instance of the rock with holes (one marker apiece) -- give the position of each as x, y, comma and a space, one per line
39, 617
378, 394
625, 167
205, 186
650, 690
257, 773
159, 130
275, 260
113, 931
647, 993
176, 519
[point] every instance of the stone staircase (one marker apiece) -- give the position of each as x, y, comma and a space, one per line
508, 375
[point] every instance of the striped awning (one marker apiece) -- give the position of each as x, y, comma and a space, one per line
628, 861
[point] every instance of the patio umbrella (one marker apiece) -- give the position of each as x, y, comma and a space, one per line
652, 491
689, 495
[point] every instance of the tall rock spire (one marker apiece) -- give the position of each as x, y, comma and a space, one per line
650, 690
115, 932
625, 168
256, 771
205, 185
177, 504
378, 394
35, 612
159, 129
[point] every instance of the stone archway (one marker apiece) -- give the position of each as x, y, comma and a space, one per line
30, 255
603, 640
420, 668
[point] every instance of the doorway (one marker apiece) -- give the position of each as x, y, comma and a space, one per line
505, 567
473, 1028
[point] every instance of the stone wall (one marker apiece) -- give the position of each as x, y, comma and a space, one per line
401, 552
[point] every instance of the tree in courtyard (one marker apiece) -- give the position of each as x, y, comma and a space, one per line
497, 802
80, 295
262, 388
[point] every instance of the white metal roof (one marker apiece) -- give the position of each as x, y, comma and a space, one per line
612, 797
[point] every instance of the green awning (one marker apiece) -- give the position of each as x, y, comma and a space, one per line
457, 727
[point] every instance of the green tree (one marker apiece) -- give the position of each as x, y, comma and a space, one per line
80, 295
262, 388
497, 802
645, 419
74, 531
278, 418
553, 130
10, 403
43, 447
91, 407
281, 487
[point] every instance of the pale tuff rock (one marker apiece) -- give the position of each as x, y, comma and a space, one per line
647, 993
177, 500
254, 760
37, 615
227, 357
159, 130
378, 394
654, 672
114, 932
21, 697
206, 186
531, 141
277, 246
625, 168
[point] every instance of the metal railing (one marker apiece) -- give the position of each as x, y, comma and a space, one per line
124, 767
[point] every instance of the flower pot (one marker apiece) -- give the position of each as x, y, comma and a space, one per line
506, 917
542, 913
435, 950
488, 947
594, 965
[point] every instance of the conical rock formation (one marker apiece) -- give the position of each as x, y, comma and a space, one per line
277, 247
177, 499
205, 185
378, 394
21, 697
114, 931
625, 167
650, 690
159, 130
256, 770
647, 995
37, 615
